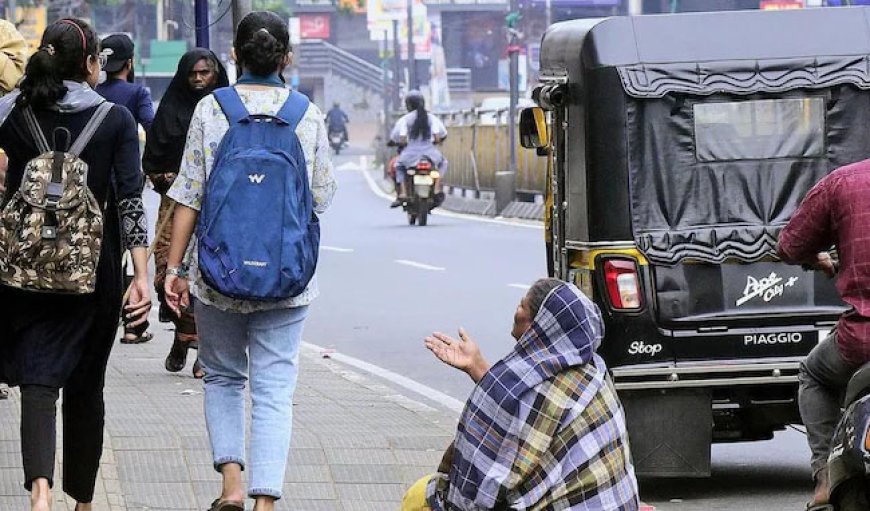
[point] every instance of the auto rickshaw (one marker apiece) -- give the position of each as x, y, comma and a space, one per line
681, 145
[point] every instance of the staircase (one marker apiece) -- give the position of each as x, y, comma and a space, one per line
321, 58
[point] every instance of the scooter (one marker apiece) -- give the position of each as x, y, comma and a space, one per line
849, 461
422, 182
336, 141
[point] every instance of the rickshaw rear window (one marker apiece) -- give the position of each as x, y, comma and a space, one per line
760, 129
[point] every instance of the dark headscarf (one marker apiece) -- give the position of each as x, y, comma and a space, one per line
165, 143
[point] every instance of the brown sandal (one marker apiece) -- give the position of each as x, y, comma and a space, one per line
227, 505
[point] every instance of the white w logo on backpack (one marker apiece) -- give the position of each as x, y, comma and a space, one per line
256, 178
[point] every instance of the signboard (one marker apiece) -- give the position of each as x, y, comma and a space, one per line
780, 5
314, 26
295, 29
581, 3
381, 14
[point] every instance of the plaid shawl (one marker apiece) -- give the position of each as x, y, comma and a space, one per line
543, 429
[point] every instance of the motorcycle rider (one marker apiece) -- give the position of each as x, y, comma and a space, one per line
417, 133
834, 213
336, 121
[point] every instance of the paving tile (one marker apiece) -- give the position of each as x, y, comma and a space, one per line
370, 492
367, 473
359, 456
159, 496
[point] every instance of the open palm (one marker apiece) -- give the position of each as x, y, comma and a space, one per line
462, 353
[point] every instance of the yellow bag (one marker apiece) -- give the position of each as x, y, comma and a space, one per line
415, 497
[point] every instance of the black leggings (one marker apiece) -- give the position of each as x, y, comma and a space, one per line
83, 421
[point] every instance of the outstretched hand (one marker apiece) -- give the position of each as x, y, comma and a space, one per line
463, 353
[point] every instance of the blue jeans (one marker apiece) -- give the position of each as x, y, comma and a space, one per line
266, 346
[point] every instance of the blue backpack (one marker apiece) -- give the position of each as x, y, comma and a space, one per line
257, 232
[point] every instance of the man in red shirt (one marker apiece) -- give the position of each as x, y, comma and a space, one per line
836, 212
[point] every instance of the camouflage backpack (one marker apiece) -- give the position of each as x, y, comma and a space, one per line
52, 227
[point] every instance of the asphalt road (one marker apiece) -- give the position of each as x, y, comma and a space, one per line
385, 285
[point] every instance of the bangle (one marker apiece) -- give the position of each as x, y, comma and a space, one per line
178, 271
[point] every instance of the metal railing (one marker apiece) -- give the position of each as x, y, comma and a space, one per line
319, 57
478, 145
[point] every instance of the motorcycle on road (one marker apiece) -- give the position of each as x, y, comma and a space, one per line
849, 460
336, 141
422, 181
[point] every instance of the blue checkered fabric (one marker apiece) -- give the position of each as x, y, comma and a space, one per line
544, 428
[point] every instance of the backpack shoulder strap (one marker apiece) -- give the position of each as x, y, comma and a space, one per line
294, 109
230, 102
35, 131
91, 128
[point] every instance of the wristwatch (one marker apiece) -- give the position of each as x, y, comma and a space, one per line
179, 271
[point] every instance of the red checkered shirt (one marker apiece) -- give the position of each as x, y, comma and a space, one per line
837, 212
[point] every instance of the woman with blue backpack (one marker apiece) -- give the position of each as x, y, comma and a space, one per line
256, 172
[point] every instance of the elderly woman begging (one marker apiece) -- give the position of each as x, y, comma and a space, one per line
543, 429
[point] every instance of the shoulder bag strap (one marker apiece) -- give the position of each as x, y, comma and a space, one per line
35, 131
294, 109
91, 128
230, 102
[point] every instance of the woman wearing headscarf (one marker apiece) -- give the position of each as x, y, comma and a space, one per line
199, 73
544, 428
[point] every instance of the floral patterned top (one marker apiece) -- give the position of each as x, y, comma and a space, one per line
207, 129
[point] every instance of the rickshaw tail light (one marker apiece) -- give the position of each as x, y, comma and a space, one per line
867, 440
623, 285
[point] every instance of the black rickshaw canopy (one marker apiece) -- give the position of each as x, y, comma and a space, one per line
708, 128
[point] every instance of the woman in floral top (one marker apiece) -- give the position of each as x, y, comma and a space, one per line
238, 337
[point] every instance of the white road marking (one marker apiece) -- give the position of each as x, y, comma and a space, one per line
525, 287
402, 381
377, 190
329, 248
422, 266
347, 166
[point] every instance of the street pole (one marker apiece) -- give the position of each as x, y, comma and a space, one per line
241, 8
200, 22
13, 12
549, 7
385, 68
397, 65
412, 62
513, 52
506, 180
161, 25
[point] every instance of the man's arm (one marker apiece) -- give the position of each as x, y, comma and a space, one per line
811, 228
146, 109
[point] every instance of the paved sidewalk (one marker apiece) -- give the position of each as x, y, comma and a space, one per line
357, 443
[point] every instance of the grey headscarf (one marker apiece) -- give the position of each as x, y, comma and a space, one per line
79, 97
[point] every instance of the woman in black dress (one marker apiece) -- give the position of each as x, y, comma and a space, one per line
50, 342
